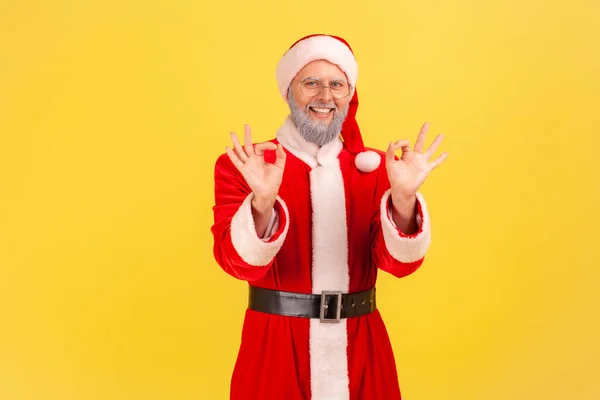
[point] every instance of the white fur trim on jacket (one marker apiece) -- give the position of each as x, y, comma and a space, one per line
246, 242
328, 342
310, 153
311, 49
405, 248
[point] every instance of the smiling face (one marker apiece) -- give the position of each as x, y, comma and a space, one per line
318, 116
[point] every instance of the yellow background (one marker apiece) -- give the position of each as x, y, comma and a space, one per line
112, 114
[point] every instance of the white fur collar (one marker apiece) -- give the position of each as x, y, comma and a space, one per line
310, 153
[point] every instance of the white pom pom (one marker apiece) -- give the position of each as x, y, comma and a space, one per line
367, 161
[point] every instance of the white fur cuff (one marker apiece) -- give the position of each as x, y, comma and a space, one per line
406, 248
252, 249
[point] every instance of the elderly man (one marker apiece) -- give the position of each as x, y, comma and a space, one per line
308, 219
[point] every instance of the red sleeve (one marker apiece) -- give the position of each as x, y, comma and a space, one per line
237, 248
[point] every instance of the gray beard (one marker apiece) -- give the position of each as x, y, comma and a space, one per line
319, 133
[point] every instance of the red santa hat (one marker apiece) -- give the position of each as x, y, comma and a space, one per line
337, 51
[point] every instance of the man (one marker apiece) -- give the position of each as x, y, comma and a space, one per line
308, 219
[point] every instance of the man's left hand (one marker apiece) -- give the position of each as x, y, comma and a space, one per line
407, 174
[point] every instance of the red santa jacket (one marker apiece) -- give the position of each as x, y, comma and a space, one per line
334, 233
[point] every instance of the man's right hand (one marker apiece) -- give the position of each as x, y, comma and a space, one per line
263, 178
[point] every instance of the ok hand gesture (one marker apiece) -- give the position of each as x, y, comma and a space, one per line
407, 174
263, 178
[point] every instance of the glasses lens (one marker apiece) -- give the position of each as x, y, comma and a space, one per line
311, 87
339, 89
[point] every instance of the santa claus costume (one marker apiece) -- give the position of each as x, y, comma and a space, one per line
333, 232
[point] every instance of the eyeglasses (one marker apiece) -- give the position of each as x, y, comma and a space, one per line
313, 87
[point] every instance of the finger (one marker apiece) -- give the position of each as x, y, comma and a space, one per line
248, 140
438, 161
281, 156
260, 148
403, 144
389, 154
433, 146
238, 147
234, 158
421, 138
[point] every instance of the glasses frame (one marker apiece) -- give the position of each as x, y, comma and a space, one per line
323, 87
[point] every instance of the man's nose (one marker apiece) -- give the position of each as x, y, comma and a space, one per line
325, 95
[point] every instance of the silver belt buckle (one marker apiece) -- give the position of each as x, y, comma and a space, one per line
324, 306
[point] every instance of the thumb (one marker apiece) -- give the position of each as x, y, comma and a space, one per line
281, 156
389, 154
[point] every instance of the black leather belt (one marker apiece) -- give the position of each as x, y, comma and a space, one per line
327, 306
